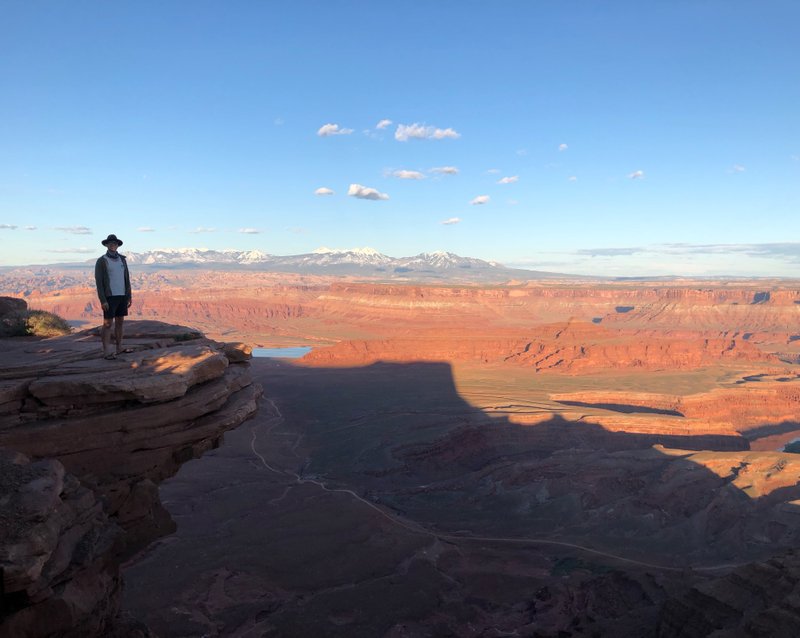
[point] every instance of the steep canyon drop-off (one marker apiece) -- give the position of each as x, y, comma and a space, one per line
541, 426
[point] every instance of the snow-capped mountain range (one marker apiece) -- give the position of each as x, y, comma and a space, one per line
353, 261
164, 256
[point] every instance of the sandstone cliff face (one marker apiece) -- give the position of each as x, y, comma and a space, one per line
571, 347
264, 303
55, 551
750, 406
763, 405
102, 434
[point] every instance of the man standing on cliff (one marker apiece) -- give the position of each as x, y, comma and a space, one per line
114, 290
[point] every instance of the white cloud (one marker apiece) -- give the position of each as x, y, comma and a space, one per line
572, 178
363, 192
711, 260
30, 227
383, 124
249, 231
75, 230
493, 171
609, 252
522, 152
508, 180
513, 202
636, 175
203, 229
445, 170
789, 250
146, 229
480, 199
452, 220
440, 134
81, 251
278, 121
404, 174
416, 131
323, 190
562, 147
738, 168
7, 227
327, 130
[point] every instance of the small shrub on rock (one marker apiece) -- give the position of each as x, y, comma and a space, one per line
41, 323
33, 323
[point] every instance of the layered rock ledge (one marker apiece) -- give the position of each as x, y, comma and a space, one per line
85, 442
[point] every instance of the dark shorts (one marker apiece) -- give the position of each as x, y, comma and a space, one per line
117, 307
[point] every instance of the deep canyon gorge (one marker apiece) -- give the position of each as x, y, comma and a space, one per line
533, 458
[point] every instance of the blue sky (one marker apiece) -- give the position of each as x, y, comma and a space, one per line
620, 138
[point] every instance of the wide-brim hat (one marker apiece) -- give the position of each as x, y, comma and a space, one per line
111, 238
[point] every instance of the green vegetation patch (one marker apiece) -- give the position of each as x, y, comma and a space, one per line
41, 323
33, 323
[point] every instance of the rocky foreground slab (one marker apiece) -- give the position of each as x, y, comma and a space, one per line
84, 443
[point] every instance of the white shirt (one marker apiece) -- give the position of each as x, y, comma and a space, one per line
116, 275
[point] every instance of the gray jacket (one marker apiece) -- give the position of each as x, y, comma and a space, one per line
101, 279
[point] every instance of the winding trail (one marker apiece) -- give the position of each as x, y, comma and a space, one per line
419, 529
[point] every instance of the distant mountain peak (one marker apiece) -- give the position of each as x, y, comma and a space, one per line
253, 256
446, 260
439, 265
324, 250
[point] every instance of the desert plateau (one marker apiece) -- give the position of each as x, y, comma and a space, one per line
559, 457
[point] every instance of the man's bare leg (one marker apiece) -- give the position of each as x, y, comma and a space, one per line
105, 334
118, 321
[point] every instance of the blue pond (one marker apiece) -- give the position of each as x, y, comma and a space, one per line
281, 353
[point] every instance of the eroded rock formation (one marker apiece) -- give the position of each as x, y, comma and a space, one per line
258, 304
755, 407
571, 347
85, 443
759, 599
12, 312
56, 543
